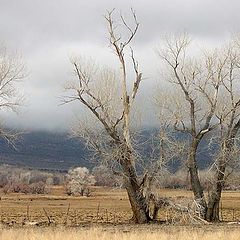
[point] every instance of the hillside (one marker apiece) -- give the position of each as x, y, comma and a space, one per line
57, 151
45, 150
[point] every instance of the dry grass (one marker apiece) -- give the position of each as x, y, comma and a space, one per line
104, 206
115, 234
95, 216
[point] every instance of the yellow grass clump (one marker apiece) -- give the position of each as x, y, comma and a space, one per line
115, 234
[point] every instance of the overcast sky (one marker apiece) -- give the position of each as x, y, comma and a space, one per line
47, 32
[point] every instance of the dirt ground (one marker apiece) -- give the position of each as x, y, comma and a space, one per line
105, 206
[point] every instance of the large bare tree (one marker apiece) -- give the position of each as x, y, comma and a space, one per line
108, 96
203, 84
228, 115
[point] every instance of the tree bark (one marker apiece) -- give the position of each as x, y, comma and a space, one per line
137, 200
212, 214
138, 204
195, 182
215, 196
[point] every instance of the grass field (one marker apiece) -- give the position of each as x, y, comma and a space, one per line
104, 206
105, 215
142, 233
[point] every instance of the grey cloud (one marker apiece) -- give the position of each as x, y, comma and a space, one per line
43, 22
47, 32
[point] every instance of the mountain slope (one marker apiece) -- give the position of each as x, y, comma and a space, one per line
57, 151
44, 150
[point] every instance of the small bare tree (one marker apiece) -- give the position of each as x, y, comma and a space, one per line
12, 70
78, 181
113, 110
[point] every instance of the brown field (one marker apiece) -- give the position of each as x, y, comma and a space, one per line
104, 215
105, 206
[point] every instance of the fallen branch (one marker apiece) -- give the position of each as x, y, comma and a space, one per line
65, 222
49, 219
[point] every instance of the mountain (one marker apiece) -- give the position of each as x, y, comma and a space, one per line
59, 152
45, 150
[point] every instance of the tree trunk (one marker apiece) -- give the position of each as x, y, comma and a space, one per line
137, 200
215, 195
212, 214
195, 182
155, 212
138, 204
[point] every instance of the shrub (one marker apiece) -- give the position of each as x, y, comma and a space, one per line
78, 181
38, 188
34, 188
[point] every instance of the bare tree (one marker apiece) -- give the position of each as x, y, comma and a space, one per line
206, 101
227, 114
113, 110
12, 70
78, 181
198, 82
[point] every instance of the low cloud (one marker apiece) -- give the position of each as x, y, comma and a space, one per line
48, 32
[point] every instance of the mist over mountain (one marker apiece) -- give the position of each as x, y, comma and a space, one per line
59, 152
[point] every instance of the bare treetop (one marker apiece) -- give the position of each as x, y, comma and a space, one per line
12, 70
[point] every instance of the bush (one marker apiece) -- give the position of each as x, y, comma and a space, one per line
3, 180
78, 181
37, 176
13, 179
38, 188
34, 188
16, 188
58, 179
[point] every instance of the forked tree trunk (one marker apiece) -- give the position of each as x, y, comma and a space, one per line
137, 200
212, 214
215, 195
195, 182
138, 204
